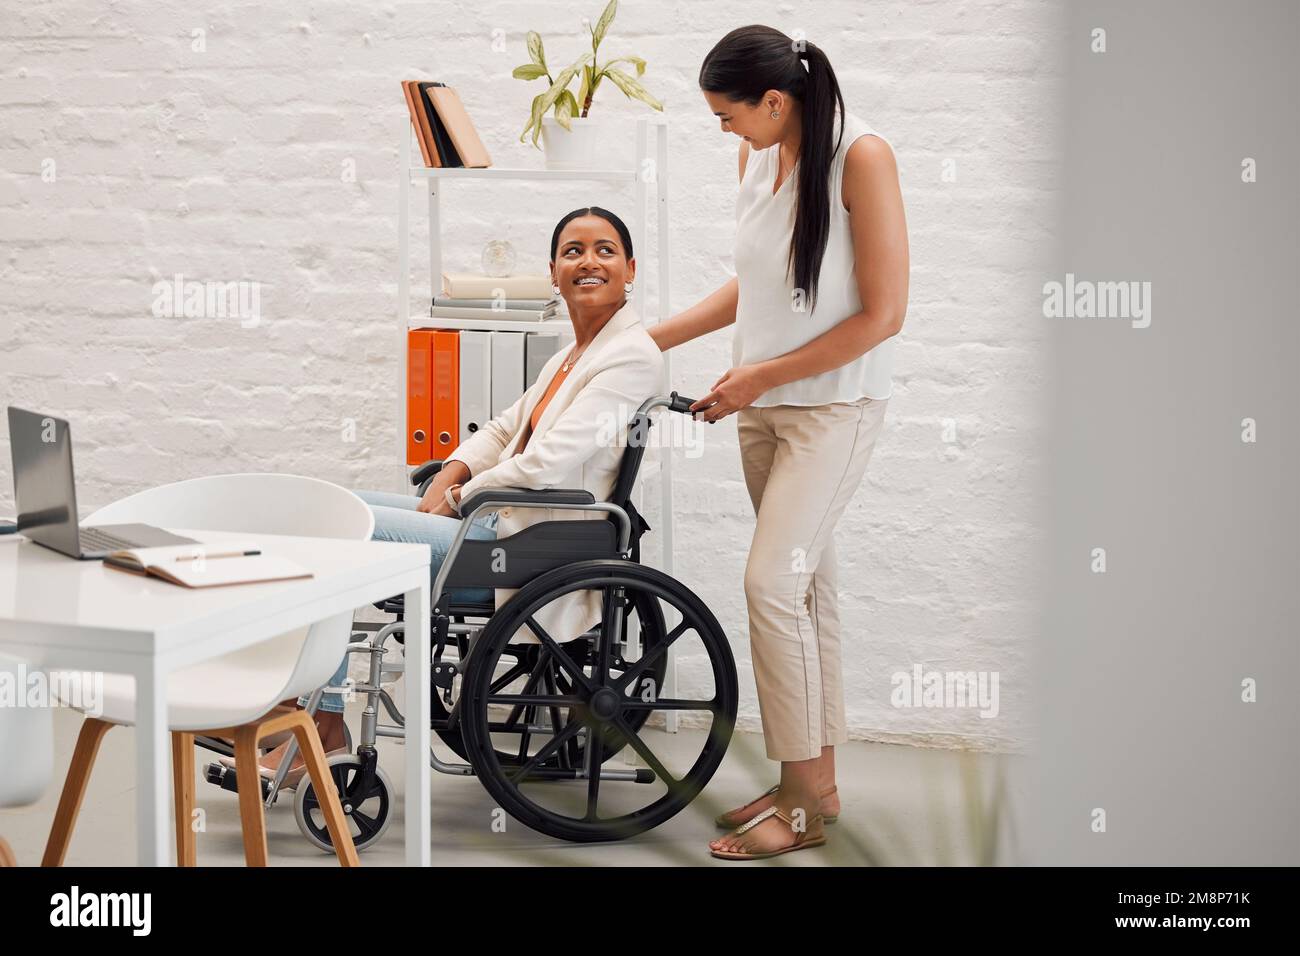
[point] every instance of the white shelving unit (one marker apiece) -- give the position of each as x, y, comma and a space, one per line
648, 174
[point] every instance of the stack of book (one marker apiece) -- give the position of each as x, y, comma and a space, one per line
521, 298
442, 127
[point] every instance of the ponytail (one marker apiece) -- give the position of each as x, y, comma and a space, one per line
744, 65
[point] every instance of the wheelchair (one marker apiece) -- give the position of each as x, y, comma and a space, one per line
549, 726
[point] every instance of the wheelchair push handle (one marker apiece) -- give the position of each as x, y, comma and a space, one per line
680, 404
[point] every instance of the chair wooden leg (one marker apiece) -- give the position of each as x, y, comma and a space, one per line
249, 777
74, 790
314, 756
7, 857
183, 793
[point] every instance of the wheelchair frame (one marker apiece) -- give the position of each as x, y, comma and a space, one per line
450, 620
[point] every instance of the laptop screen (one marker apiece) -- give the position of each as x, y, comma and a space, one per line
43, 482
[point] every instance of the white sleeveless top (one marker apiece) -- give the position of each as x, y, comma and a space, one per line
767, 324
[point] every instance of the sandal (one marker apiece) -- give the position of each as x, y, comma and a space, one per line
812, 836
734, 818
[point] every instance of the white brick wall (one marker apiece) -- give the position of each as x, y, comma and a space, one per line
226, 165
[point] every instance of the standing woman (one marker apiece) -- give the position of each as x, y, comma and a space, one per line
820, 290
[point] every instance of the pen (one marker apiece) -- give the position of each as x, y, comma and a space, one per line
227, 554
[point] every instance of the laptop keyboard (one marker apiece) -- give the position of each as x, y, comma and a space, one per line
93, 539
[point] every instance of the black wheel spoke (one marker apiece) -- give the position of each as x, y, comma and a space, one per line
560, 656
645, 753
565, 751
668, 703
530, 685
594, 757
651, 657
366, 824
608, 627
534, 700
505, 679
552, 745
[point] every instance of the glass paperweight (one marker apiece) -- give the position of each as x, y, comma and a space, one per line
498, 258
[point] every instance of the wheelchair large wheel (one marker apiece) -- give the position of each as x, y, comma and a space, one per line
526, 662
602, 698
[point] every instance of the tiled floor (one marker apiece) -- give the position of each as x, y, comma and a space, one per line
901, 805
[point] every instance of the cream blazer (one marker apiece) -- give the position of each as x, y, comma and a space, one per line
579, 443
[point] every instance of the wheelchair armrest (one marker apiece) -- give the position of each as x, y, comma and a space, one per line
541, 498
426, 471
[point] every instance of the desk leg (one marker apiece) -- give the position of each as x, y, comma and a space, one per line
152, 768
418, 740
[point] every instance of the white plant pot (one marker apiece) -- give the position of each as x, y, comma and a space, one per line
574, 148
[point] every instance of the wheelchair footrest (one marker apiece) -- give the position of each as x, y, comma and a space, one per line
225, 778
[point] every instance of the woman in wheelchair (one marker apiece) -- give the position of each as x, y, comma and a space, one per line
552, 437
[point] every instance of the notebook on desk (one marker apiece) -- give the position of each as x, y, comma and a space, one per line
194, 566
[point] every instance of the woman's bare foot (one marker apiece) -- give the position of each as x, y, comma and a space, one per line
830, 804
330, 727
773, 833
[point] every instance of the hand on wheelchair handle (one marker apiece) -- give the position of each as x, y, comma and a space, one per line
432, 493
422, 474
681, 404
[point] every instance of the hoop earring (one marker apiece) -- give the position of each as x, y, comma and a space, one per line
627, 288
555, 289
776, 114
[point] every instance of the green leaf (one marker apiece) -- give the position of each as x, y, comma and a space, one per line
602, 25
535, 48
635, 60
562, 81
529, 71
566, 107
535, 119
632, 88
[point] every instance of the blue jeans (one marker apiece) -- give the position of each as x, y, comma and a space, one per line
397, 520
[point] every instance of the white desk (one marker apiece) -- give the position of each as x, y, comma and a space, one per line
57, 612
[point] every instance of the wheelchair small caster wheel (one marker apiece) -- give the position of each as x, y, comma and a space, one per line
367, 807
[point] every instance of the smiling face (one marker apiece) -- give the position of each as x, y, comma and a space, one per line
754, 124
591, 265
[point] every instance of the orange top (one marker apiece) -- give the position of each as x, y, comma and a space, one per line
551, 389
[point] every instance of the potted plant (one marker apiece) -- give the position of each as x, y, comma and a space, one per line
570, 136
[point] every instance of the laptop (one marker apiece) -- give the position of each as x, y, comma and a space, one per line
46, 494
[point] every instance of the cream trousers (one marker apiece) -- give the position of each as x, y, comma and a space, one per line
802, 466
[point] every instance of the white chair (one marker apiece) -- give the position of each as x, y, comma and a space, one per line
26, 750
233, 696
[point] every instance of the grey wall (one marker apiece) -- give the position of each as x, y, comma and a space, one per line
1142, 666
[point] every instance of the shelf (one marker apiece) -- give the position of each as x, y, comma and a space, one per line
496, 172
489, 325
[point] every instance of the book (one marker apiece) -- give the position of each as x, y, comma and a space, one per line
444, 154
444, 414
419, 396
475, 381
469, 149
506, 302
538, 349
412, 107
206, 566
474, 285
507, 370
504, 315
